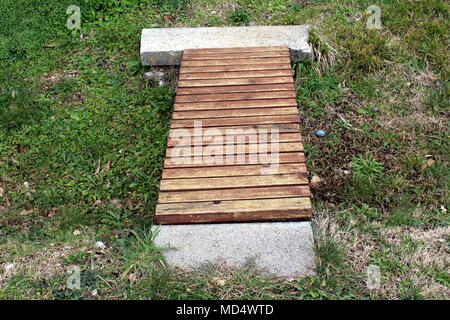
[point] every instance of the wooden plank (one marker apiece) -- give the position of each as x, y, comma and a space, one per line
192, 162
236, 49
234, 96
235, 75
218, 150
232, 82
234, 210
239, 104
242, 67
224, 122
234, 55
237, 130
232, 171
235, 89
224, 62
234, 194
209, 140
234, 182
231, 113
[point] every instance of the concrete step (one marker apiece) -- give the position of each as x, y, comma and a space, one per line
164, 46
278, 248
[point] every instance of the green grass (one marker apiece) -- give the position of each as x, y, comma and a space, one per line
82, 139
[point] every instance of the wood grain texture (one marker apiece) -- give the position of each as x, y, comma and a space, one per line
192, 162
241, 121
242, 67
236, 74
234, 194
233, 113
207, 139
223, 105
234, 210
232, 171
234, 108
234, 96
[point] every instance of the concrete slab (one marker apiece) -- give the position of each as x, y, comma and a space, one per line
279, 248
164, 46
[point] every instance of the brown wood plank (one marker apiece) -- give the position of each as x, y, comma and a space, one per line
234, 96
231, 171
239, 104
236, 89
234, 182
235, 75
232, 82
235, 49
234, 210
234, 55
231, 113
234, 194
242, 67
238, 138
224, 62
192, 162
248, 148
237, 130
223, 122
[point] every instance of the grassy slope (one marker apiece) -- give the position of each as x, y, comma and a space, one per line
82, 137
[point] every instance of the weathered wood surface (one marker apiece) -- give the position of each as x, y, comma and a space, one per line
243, 95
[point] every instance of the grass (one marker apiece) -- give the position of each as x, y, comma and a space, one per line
82, 139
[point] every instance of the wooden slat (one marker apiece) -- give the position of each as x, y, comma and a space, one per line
248, 148
223, 122
242, 67
237, 130
232, 171
236, 49
237, 139
232, 82
192, 162
234, 55
232, 113
234, 96
235, 89
234, 210
224, 62
235, 75
221, 105
234, 194
234, 182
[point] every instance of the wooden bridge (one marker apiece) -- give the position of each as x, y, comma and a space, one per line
247, 96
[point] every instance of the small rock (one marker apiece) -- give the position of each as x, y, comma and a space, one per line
100, 245
375, 109
76, 232
94, 292
9, 268
316, 180
156, 76
320, 133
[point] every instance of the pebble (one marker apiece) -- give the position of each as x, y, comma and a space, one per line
320, 133
157, 76
100, 245
375, 109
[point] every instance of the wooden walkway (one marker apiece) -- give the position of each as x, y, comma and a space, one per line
239, 94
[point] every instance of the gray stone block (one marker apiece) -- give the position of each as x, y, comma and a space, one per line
164, 46
279, 248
